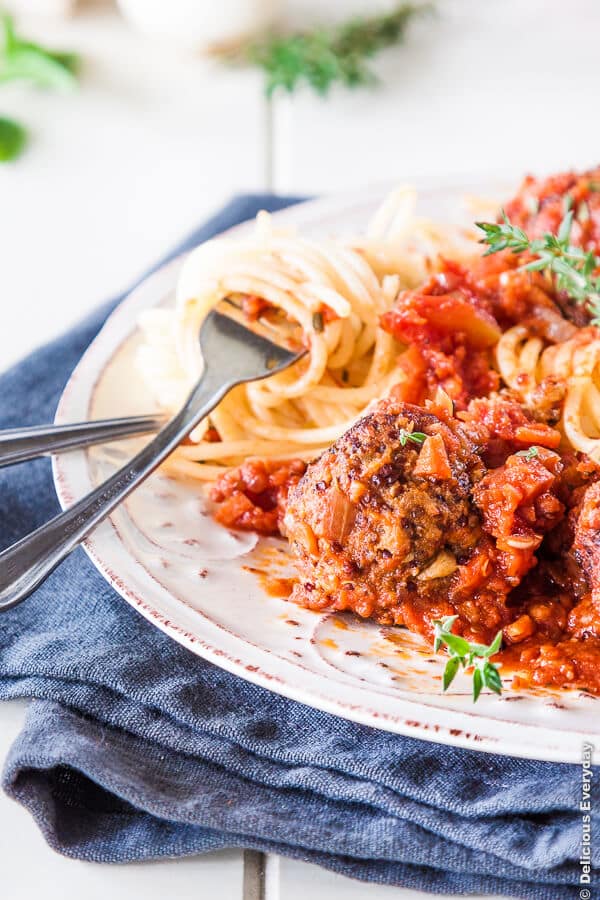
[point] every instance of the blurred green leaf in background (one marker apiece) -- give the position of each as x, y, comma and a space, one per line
13, 138
23, 60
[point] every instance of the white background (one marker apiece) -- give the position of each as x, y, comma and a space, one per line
155, 140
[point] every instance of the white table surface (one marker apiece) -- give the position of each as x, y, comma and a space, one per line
154, 141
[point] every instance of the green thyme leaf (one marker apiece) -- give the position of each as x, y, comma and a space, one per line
494, 646
440, 627
417, 437
477, 684
13, 138
529, 454
589, 264
538, 264
583, 212
477, 650
564, 230
452, 667
458, 645
491, 678
469, 656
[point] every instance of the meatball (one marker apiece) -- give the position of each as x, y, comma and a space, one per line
585, 616
385, 513
586, 545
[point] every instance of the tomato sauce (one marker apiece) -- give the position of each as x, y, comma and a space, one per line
252, 497
534, 563
450, 331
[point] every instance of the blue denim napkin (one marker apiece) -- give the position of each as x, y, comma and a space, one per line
136, 749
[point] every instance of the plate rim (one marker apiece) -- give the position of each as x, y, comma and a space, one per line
71, 472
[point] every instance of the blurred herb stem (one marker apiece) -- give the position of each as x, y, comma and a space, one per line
325, 56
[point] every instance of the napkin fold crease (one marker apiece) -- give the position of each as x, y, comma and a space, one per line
134, 748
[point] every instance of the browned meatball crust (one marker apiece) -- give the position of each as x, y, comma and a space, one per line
380, 516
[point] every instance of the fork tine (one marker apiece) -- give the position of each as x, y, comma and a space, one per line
250, 354
293, 337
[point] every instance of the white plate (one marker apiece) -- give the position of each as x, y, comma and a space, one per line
190, 577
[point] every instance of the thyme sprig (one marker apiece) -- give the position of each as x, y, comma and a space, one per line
529, 454
573, 269
324, 56
465, 655
417, 437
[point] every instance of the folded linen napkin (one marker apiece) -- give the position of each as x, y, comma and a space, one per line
136, 749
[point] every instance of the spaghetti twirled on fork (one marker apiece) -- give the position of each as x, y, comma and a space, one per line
337, 291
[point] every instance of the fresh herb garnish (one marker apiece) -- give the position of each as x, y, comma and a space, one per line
417, 437
529, 454
26, 61
324, 56
22, 60
573, 269
567, 203
583, 212
466, 655
13, 138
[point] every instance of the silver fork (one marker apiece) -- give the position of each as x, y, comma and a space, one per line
19, 445
234, 351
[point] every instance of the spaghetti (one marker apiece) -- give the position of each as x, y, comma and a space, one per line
527, 366
458, 496
336, 291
